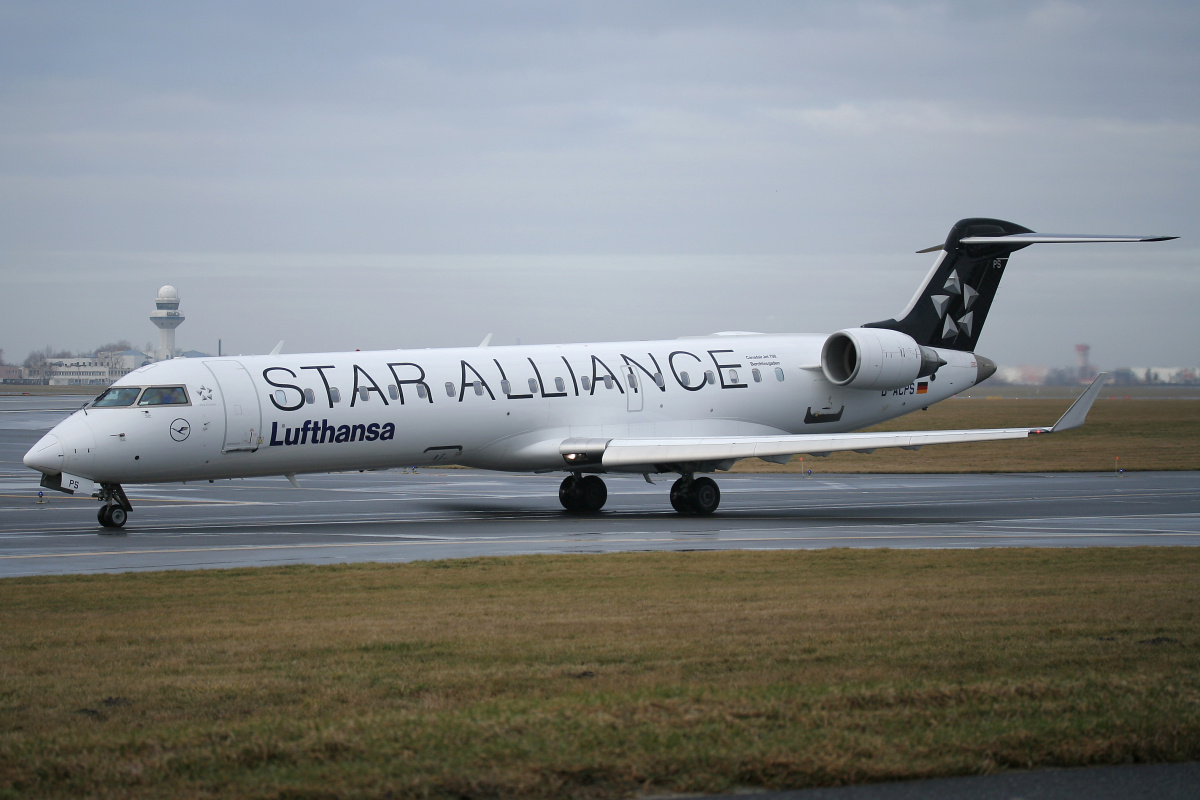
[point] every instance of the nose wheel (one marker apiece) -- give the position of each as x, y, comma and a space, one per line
115, 511
112, 516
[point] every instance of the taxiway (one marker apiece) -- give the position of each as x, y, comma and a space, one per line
402, 516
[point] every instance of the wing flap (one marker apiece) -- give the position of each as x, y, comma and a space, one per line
680, 450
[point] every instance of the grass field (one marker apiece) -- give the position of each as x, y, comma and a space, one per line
597, 676
1145, 434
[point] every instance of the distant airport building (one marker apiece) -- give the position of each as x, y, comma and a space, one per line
102, 368
166, 318
1039, 375
1156, 375
1025, 375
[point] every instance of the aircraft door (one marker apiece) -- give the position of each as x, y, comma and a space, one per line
243, 415
633, 393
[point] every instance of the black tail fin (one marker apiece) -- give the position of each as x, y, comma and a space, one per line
950, 308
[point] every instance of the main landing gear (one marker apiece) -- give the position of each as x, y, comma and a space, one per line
689, 495
582, 494
115, 511
698, 496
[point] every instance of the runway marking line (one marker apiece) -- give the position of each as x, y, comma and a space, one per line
252, 547
532, 517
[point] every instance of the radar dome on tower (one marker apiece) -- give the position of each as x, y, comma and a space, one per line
168, 297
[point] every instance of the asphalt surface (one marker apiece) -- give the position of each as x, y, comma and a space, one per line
402, 516
1127, 782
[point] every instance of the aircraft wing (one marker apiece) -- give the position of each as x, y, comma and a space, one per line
625, 453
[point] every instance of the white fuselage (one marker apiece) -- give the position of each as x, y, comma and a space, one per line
505, 408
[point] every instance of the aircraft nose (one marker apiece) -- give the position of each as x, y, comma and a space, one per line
46, 456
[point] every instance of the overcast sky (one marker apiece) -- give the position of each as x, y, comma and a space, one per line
376, 175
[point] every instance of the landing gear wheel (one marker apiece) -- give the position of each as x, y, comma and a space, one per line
582, 494
593, 494
115, 507
568, 494
704, 496
679, 497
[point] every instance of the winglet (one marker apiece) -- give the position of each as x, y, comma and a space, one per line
1078, 411
278, 349
486, 341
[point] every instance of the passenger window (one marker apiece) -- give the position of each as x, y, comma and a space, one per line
505, 386
533, 385
586, 383
754, 373
658, 380
421, 391
449, 389
478, 388
164, 396
733, 376
363, 393
124, 396
335, 393
559, 385
280, 396
310, 396
779, 373
394, 391
709, 378
632, 381
608, 381
685, 379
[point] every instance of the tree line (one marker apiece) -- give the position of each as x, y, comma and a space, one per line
48, 353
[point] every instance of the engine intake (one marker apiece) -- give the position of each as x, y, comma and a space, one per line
876, 358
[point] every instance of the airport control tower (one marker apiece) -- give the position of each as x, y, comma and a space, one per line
166, 318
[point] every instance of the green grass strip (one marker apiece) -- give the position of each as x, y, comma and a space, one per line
597, 676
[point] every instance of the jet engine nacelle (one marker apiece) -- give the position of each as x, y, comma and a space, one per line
876, 358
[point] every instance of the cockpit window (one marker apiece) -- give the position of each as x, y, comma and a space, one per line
117, 396
164, 396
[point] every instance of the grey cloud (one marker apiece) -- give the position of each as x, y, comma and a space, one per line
830, 135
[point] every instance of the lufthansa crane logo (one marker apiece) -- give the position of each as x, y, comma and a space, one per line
180, 429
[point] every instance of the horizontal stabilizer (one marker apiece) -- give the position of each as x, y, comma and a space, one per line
1059, 238
1049, 238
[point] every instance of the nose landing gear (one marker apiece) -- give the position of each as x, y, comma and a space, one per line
115, 511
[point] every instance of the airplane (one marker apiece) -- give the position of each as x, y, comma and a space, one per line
685, 406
